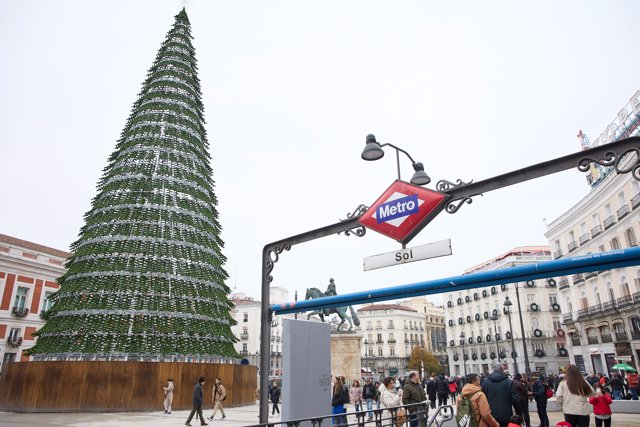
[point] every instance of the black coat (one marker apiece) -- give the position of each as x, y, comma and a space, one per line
431, 390
369, 391
540, 391
340, 398
442, 388
501, 394
198, 395
275, 395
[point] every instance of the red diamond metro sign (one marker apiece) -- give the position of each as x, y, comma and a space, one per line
403, 211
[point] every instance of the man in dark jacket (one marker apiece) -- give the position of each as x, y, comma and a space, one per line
198, 397
540, 394
413, 393
501, 394
369, 395
442, 390
522, 408
431, 391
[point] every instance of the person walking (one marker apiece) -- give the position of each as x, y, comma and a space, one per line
601, 406
479, 403
617, 387
168, 396
522, 408
501, 394
634, 385
356, 395
219, 393
540, 393
431, 391
275, 398
388, 397
413, 394
573, 397
198, 398
369, 395
453, 389
442, 390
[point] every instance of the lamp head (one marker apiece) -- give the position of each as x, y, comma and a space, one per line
372, 150
507, 303
420, 177
494, 317
462, 335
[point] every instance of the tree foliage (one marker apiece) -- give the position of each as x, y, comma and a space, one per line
429, 361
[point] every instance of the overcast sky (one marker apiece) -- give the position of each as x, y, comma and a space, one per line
291, 88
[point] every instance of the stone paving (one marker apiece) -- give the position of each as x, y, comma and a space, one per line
241, 416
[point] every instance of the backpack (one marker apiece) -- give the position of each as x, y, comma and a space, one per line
465, 416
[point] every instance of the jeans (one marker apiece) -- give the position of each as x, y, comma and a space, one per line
339, 419
634, 393
616, 395
542, 412
577, 420
369, 408
413, 420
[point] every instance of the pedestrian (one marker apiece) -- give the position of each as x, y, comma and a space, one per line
337, 403
431, 391
388, 397
592, 379
634, 385
573, 397
356, 395
522, 407
168, 396
442, 390
198, 398
453, 388
617, 387
369, 395
413, 394
275, 398
501, 394
541, 392
601, 406
218, 394
515, 421
479, 406
379, 389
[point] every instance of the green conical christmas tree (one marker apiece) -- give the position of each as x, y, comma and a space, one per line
146, 278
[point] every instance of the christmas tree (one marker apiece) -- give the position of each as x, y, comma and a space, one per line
146, 278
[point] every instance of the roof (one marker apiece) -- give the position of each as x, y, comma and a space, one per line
33, 246
517, 251
382, 307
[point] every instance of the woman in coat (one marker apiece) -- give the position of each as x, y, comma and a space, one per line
388, 397
356, 395
337, 403
168, 396
573, 396
479, 402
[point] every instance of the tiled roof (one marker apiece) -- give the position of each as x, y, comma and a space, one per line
33, 246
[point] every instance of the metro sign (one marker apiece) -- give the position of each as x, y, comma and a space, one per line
403, 211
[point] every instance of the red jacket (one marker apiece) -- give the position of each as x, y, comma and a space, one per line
633, 380
601, 404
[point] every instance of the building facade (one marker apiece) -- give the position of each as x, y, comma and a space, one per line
390, 332
434, 327
600, 309
28, 274
482, 330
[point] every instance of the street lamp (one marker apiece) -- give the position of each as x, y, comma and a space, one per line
508, 304
464, 361
527, 368
495, 328
373, 151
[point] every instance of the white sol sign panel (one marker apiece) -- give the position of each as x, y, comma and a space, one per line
404, 256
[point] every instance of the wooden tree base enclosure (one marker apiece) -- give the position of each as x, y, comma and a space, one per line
117, 386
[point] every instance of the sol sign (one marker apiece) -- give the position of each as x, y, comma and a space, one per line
403, 210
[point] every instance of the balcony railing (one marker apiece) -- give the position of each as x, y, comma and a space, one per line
592, 339
577, 278
563, 284
379, 342
624, 301
243, 352
583, 312
567, 318
575, 340
14, 341
20, 311
596, 231
246, 337
594, 309
391, 341
572, 246
635, 201
608, 306
621, 336
623, 211
590, 274
636, 297
635, 335
609, 221
606, 338
390, 327
584, 238
557, 254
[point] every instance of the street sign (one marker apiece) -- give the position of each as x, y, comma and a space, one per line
403, 256
403, 210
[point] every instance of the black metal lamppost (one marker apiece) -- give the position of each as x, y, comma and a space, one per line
508, 304
373, 151
464, 360
527, 368
495, 328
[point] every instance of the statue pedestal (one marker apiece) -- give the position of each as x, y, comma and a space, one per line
345, 355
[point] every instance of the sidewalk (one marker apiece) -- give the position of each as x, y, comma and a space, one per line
236, 417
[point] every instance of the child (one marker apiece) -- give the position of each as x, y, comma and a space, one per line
515, 421
601, 406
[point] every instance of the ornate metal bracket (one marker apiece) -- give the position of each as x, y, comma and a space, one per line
358, 230
273, 255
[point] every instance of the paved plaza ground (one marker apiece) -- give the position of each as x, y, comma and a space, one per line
242, 416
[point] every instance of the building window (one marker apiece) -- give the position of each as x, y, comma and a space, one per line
392, 351
557, 324
538, 346
615, 244
369, 326
244, 347
245, 317
21, 298
370, 351
621, 200
531, 298
534, 323
391, 324
630, 235
14, 334
553, 299
379, 324
391, 337
379, 338
47, 303
380, 351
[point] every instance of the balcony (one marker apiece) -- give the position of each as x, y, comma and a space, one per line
577, 278
567, 318
557, 254
636, 297
609, 221
379, 342
575, 340
594, 309
584, 238
391, 341
243, 352
608, 306
590, 274
246, 337
596, 231
14, 341
391, 326
624, 301
20, 311
369, 328
378, 327
635, 335
583, 312
606, 338
563, 284
572, 246
592, 339
621, 336
635, 201
623, 211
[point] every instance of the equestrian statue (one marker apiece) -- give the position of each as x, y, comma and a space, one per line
313, 293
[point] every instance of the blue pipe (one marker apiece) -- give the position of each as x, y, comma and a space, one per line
561, 267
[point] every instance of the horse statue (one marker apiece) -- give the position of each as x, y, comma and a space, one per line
313, 293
